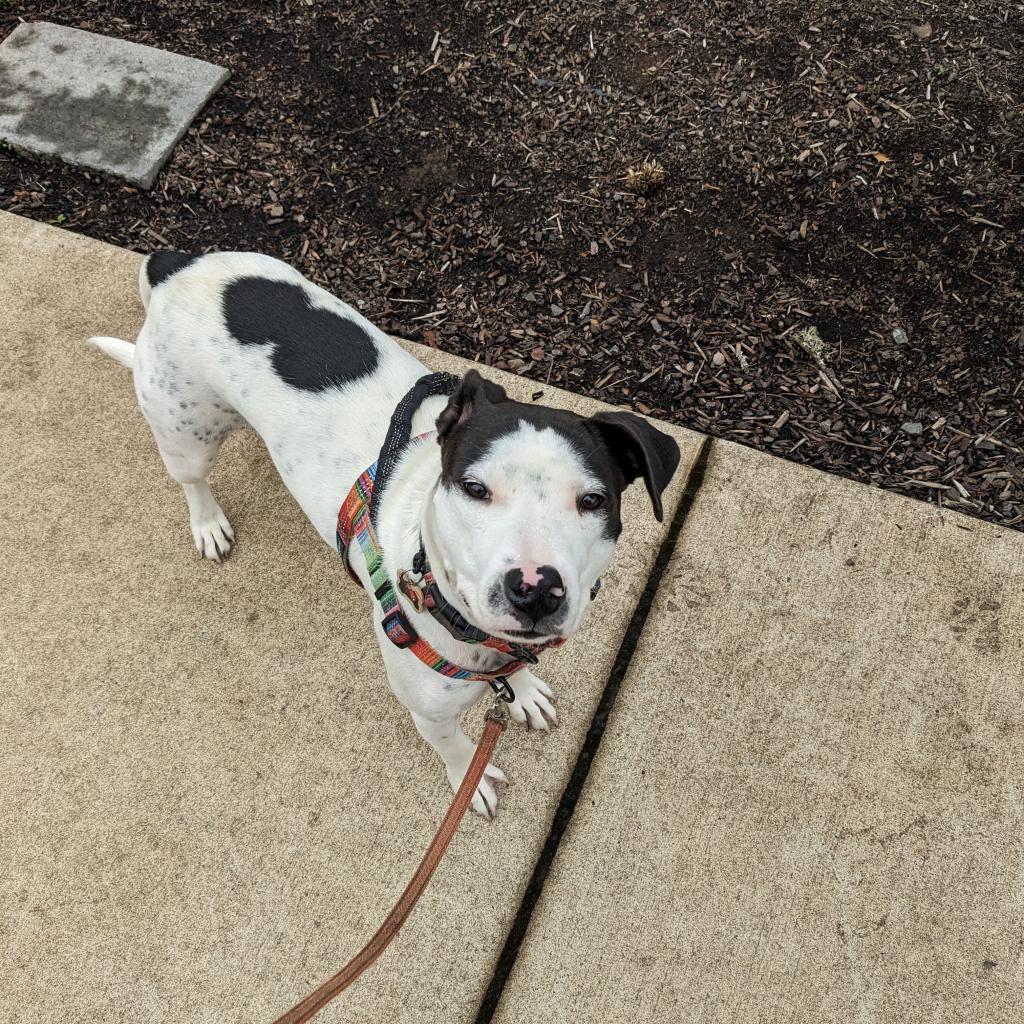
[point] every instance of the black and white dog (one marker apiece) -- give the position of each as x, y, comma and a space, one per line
516, 506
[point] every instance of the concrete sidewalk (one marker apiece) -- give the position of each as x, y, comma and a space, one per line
808, 805
209, 798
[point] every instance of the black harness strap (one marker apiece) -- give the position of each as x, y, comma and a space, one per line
400, 429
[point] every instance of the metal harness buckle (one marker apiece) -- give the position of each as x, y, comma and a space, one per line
412, 590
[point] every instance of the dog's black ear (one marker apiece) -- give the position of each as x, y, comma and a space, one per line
473, 392
639, 450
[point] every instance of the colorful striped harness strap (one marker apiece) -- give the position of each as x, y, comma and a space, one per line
355, 520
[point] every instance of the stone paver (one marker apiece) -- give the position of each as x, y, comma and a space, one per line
97, 101
208, 796
808, 803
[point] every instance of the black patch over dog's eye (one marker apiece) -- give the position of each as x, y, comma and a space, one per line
590, 502
476, 490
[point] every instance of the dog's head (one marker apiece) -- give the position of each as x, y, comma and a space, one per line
527, 511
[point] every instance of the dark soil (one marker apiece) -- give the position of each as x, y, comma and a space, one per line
458, 173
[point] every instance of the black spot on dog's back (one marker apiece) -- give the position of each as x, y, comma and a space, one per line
314, 348
161, 265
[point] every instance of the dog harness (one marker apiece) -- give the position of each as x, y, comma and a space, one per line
356, 520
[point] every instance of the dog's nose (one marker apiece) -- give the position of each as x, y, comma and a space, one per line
536, 592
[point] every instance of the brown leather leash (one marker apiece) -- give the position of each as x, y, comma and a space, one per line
494, 725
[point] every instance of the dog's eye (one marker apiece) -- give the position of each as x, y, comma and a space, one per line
476, 490
591, 501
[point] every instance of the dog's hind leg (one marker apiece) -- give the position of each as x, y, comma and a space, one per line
189, 425
189, 461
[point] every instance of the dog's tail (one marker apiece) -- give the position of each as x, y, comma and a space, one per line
122, 351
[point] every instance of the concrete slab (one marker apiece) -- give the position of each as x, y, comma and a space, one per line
99, 102
808, 803
208, 797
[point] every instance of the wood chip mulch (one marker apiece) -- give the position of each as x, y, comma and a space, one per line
800, 227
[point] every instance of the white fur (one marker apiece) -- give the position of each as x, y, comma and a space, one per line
535, 478
195, 384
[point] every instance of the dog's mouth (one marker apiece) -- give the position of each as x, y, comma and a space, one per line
531, 636
527, 634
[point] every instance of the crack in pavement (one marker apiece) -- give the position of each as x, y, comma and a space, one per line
581, 770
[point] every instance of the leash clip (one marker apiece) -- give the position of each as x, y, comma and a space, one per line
498, 711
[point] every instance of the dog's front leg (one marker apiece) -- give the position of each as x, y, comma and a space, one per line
455, 748
435, 704
533, 705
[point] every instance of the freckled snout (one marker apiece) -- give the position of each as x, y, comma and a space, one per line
534, 592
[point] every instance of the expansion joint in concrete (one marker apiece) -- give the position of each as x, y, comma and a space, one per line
571, 794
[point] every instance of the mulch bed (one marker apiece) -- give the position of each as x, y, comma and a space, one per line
830, 268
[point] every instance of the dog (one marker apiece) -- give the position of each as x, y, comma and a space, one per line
516, 506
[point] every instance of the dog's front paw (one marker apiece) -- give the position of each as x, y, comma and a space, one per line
485, 800
213, 536
533, 704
